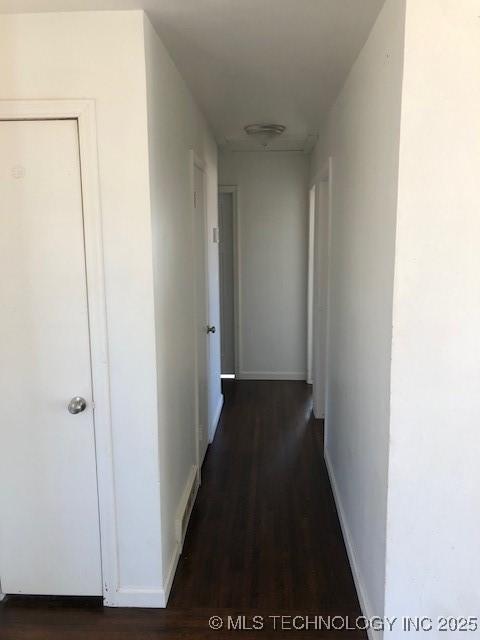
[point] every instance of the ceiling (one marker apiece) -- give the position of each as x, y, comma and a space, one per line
247, 61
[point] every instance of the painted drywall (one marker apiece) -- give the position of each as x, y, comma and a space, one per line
100, 55
361, 136
145, 181
272, 240
175, 127
434, 489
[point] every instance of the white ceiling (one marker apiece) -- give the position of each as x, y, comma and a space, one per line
249, 61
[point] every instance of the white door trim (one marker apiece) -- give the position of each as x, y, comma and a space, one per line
83, 111
312, 253
236, 275
320, 362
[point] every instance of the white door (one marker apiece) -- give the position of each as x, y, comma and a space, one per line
227, 287
201, 310
49, 521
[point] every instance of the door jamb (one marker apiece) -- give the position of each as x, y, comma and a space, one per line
324, 176
233, 189
312, 253
83, 111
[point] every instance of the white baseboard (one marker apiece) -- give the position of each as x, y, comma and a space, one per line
136, 597
272, 375
167, 587
357, 577
184, 512
216, 419
158, 598
320, 416
185, 506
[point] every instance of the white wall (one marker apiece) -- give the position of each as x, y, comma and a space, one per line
147, 124
272, 237
176, 126
433, 562
362, 137
100, 55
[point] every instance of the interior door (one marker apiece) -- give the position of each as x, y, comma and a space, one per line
201, 309
49, 521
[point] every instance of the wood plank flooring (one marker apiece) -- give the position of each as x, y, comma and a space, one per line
264, 539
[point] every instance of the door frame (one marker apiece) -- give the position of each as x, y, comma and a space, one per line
321, 181
237, 288
83, 112
198, 162
312, 253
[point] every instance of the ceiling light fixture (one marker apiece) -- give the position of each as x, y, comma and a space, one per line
264, 133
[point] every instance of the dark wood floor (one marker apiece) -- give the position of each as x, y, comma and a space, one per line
264, 538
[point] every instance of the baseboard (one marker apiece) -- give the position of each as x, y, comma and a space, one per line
136, 597
167, 587
133, 597
158, 598
216, 419
320, 416
272, 375
184, 512
357, 578
185, 506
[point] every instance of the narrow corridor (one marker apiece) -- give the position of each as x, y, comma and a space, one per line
264, 533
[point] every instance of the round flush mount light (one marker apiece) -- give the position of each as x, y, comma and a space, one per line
264, 133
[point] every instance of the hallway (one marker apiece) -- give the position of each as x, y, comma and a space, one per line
282, 192
263, 539
264, 533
